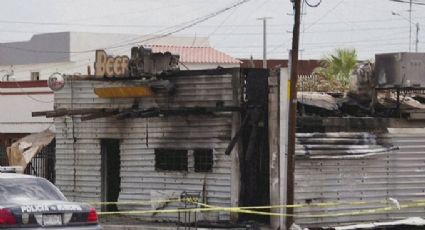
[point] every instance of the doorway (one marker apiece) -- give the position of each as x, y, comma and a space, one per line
254, 157
110, 169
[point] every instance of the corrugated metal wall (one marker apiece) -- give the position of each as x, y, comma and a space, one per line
140, 137
399, 174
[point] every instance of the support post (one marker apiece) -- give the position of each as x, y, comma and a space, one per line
283, 142
274, 148
293, 113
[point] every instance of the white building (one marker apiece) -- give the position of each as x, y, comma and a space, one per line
18, 99
73, 52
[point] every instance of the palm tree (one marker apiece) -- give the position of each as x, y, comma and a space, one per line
338, 66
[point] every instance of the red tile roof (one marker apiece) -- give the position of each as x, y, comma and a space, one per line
189, 54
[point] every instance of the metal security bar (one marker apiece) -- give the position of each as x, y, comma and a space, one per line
43, 164
3, 156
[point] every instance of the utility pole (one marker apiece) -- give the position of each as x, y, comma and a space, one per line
417, 37
264, 19
410, 26
293, 113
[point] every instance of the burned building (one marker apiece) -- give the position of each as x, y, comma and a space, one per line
153, 140
360, 158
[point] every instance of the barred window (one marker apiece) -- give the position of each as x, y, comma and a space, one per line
203, 160
171, 159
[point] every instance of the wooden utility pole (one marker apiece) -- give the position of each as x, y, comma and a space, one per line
293, 113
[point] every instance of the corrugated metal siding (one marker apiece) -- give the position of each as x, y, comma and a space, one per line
400, 174
140, 137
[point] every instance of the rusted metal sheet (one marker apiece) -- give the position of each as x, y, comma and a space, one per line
399, 174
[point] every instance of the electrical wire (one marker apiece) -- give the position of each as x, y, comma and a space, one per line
324, 15
100, 25
414, 2
220, 25
188, 25
185, 26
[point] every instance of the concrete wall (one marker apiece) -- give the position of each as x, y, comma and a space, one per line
42, 48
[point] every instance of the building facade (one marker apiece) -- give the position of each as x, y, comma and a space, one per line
152, 148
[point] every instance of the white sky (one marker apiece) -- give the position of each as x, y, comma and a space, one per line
366, 25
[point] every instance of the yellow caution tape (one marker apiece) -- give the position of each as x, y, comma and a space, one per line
328, 204
246, 211
249, 210
162, 211
195, 200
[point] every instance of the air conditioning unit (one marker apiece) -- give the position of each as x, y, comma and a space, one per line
400, 70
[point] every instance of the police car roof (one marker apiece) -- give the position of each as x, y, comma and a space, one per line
15, 176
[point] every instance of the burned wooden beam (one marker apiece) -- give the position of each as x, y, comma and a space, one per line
50, 113
65, 112
182, 111
100, 114
41, 113
90, 114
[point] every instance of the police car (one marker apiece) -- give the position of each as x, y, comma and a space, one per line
29, 202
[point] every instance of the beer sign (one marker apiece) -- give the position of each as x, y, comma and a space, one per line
56, 81
108, 66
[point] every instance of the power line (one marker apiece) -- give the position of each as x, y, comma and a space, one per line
205, 26
184, 26
222, 23
193, 23
234, 28
98, 25
415, 2
200, 20
324, 15
380, 41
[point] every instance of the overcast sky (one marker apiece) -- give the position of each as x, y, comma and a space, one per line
367, 25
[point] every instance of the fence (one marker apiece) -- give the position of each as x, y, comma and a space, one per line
42, 165
307, 83
3, 156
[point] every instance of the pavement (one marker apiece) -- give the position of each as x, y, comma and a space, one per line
133, 223
161, 227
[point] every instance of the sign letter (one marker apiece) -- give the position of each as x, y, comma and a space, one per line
99, 65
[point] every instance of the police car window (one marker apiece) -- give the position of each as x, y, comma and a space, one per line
28, 189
